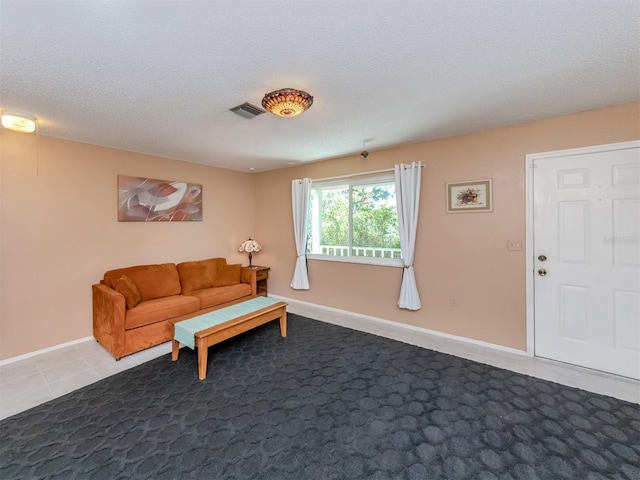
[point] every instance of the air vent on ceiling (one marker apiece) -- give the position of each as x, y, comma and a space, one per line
247, 110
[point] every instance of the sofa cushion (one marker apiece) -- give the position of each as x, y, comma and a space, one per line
227, 275
217, 260
125, 286
196, 275
153, 281
210, 297
160, 309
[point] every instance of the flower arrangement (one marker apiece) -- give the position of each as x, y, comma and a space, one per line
468, 196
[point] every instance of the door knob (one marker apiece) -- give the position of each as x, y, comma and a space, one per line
542, 258
542, 272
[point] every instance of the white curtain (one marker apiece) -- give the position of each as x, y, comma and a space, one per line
408, 203
300, 189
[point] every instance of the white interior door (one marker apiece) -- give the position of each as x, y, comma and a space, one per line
586, 220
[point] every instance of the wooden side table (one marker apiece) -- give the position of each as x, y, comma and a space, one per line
262, 274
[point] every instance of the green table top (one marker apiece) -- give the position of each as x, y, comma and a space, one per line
186, 329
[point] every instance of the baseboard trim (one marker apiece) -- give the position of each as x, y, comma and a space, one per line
410, 334
401, 332
44, 350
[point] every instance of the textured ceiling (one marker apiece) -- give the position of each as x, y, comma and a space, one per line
159, 77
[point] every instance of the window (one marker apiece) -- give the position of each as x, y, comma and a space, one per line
354, 221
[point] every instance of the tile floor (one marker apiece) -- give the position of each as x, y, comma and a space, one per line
38, 379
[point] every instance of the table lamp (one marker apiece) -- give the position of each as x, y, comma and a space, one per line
250, 246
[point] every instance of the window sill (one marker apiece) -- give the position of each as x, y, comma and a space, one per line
383, 262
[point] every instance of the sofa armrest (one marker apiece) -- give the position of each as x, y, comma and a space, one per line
108, 319
248, 275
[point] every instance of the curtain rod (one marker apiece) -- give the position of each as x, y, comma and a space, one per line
386, 170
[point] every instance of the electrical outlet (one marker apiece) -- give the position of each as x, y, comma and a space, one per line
453, 302
514, 245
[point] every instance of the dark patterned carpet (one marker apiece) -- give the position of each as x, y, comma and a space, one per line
324, 403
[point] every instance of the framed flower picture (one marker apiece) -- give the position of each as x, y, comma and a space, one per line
472, 196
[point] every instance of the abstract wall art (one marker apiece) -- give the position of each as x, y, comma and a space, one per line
150, 200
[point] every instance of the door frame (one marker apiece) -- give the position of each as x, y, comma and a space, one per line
529, 246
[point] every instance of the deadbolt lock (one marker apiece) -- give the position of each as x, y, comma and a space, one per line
542, 258
542, 272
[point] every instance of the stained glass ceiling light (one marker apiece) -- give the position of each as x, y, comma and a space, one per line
287, 102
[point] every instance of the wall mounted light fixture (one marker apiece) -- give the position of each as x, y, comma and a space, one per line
18, 122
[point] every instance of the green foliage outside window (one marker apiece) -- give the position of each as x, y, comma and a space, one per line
335, 217
374, 221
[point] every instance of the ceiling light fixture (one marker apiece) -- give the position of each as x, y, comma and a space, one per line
287, 102
18, 122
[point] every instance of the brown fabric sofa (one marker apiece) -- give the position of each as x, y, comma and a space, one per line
134, 307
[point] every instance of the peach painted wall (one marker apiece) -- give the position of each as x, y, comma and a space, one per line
59, 231
461, 255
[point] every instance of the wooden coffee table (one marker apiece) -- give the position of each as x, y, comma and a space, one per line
214, 327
